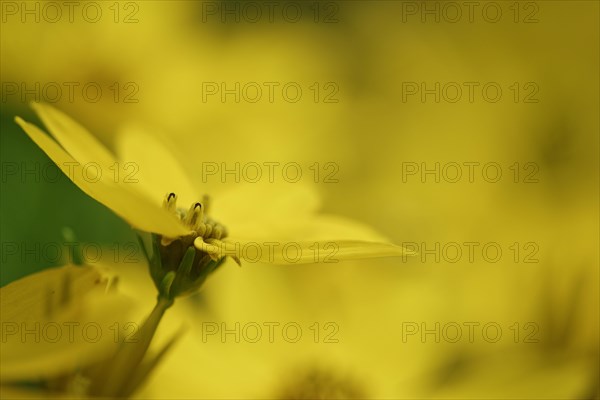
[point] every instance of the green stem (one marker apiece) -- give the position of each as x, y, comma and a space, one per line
130, 354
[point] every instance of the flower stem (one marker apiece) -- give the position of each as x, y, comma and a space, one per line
115, 377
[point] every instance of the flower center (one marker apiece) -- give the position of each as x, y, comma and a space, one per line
196, 219
181, 264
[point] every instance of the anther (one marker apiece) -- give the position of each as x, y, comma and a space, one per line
194, 216
170, 202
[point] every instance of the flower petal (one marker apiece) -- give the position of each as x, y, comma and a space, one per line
46, 319
316, 227
264, 202
27, 298
73, 137
286, 253
158, 170
130, 205
81, 336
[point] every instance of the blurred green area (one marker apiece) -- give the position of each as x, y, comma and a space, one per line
370, 133
38, 201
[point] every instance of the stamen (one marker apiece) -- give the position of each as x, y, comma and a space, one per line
200, 208
194, 216
170, 202
216, 249
215, 252
182, 263
230, 252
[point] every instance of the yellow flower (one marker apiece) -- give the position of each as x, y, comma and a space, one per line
552, 357
56, 326
67, 331
270, 224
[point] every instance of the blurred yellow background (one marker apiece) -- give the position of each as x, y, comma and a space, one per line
412, 109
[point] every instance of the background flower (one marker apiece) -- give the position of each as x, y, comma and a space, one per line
371, 133
57, 324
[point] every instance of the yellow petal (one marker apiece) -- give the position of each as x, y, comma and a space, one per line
83, 334
73, 137
284, 213
264, 202
286, 253
309, 228
124, 201
58, 321
27, 299
158, 170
